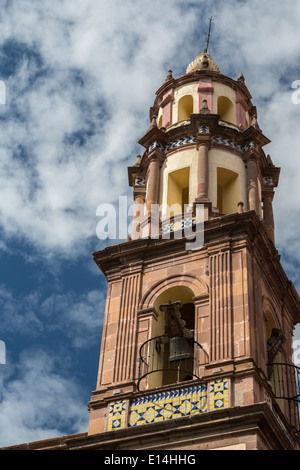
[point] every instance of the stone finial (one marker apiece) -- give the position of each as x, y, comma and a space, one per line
269, 161
241, 78
169, 76
205, 62
201, 59
138, 161
254, 122
240, 207
153, 122
204, 108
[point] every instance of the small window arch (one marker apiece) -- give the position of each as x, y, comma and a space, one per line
185, 107
228, 190
178, 191
226, 109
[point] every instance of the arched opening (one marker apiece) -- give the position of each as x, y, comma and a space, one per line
168, 357
274, 339
284, 377
228, 191
226, 109
178, 191
185, 107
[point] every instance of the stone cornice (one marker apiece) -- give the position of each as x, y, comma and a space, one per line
232, 231
223, 135
198, 75
193, 429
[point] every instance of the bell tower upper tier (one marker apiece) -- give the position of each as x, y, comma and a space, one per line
203, 146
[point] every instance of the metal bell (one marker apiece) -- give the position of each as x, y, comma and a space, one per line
179, 349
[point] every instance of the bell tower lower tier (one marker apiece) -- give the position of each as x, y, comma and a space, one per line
229, 380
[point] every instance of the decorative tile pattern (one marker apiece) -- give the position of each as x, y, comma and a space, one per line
268, 399
234, 145
186, 122
168, 405
178, 225
203, 130
267, 180
231, 126
218, 394
139, 181
155, 145
249, 145
227, 142
117, 414
192, 139
180, 142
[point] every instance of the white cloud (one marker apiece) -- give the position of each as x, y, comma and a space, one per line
39, 395
96, 64
77, 317
82, 78
89, 71
39, 402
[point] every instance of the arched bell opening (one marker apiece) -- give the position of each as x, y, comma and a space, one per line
171, 354
284, 377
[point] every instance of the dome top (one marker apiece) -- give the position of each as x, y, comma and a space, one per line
202, 62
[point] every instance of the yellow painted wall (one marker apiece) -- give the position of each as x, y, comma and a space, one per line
188, 89
178, 181
184, 159
223, 90
228, 188
185, 107
223, 159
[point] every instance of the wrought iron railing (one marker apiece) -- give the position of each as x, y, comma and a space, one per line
285, 382
165, 360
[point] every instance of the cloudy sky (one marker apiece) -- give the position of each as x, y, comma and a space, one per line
80, 77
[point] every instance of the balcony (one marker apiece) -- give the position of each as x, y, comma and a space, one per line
167, 360
285, 385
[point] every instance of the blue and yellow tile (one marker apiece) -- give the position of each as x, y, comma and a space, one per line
218, 394
168, 405
117, 414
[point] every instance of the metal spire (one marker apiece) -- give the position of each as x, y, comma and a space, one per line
208, 37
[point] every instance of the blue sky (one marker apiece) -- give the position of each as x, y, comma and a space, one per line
80, 78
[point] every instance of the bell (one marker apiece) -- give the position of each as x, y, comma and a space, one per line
179, 349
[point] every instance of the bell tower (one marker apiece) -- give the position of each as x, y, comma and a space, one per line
196, 350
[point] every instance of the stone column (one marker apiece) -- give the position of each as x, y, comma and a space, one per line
166, 105
139, 201
202, 172
253, 196
268, 213
153, 183
151, 228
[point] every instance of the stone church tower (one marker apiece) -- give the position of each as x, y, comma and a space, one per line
196, 350
197, 342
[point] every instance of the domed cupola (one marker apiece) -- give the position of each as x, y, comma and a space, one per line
202, 62
204, 146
